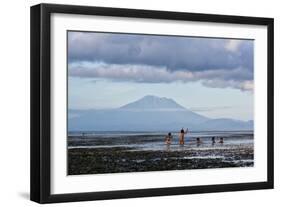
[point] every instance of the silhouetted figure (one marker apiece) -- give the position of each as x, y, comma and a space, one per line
181, 135
213, 140
221, 140
198, 141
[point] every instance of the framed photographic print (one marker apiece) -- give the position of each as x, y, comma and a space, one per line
133, 103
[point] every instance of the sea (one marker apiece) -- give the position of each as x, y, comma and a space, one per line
155, 141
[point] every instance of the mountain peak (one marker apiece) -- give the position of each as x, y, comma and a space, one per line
153, 102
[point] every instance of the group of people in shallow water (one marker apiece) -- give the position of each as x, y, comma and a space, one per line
168, 138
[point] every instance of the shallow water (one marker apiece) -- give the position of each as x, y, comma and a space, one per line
155, 141
110, 152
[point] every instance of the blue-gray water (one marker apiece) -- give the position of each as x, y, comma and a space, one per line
156, 140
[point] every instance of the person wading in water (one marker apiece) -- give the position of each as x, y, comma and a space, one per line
181, 135
168, 138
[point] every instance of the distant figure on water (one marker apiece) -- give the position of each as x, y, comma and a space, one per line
168, 138
198, 141
221, 140
181, 135
213, 140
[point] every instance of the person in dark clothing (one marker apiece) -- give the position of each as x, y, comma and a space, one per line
198, 141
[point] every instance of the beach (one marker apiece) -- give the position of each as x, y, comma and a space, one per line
118, 152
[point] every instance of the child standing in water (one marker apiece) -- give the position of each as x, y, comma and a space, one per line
181, 136
168, 138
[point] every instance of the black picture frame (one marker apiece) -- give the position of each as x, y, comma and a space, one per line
40, 184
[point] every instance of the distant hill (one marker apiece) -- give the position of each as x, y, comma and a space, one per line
150, 113
227, 124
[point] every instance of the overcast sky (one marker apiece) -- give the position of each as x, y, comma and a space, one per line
211, 76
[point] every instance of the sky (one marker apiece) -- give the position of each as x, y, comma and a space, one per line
210, 76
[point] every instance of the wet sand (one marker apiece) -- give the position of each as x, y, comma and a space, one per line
102, 160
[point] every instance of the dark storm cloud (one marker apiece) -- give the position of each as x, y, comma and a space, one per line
169, 51
146, 58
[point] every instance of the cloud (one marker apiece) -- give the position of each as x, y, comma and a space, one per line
218, 63
174, 53
219, 78
246, 85
233, 45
